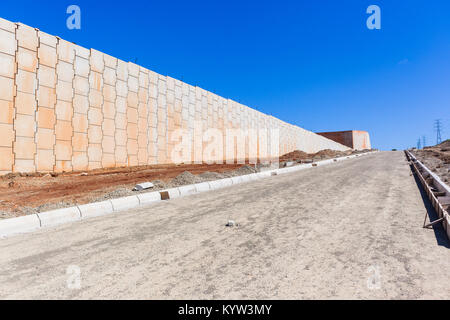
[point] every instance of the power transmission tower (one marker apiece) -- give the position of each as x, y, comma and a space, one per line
438, 128
424, 142
418, 144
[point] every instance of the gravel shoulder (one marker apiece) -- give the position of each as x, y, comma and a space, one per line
350, 230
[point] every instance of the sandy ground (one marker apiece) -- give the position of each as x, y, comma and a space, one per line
437, 159
349, 230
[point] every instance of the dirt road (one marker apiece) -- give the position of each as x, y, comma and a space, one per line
346, 230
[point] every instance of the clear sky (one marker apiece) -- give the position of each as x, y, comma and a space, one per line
312, 63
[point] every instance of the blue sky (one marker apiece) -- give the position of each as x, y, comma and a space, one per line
311, 63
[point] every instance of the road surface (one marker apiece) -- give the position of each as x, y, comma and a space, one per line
350, 230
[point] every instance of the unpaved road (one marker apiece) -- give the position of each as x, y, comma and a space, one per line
324, 232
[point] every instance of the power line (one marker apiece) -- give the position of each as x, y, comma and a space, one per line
418, 144
424, 141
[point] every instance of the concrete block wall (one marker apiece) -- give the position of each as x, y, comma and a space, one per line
67, 108
355, 139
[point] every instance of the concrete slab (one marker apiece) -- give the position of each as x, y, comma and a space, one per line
60, 216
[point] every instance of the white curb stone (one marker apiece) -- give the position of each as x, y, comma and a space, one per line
150, 197
56, 217
187, 190
173, 193
237, 180
18, 225
96, 209
125, 203
264, 174
202, 187
222, 183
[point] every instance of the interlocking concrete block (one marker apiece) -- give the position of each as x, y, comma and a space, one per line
60, 216
45, 139
109, 93
47, 39
26, 81
95, 209
47, 56
96, 61
63, 130
80, 122
63, 150
6, 111
46, 76
66, 51
64, 91
80, 161
7, 65
122, 70
24, 165
148, 198
46, 97
6, 134
7, 25
63, 166
24, 125
95, 134
27, 37
95, 153
65, 71
7, 89
46, 118
95, 116
25, 103
125, 203
108, 144
9, 227
81, 67
109, 76
64, 110
79, 142
45, 160
27, 60
8, 43
81, 86
96, 81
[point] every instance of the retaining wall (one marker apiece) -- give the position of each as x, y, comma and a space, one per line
67, 108
355, 139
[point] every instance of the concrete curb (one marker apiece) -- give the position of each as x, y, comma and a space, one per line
30, 223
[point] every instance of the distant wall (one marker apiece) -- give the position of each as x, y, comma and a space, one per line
358, 140
67, 108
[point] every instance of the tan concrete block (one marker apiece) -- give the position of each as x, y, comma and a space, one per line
80, 104
81, 85
24, 148
142, 125
27, 37
80, 142
132, 100
65, 71
121, 137
82, 52
47, 39
46, 97
96, 60
64, 91
109, 93
45, 160
80, 122
110, 61
121, 155
122, 70
24, 125
63, 131
6, 159
121, 104
142, 95
63, 166
95, 116
142, 141
121, 88
6, 89
64, 110
143, 78
80, 161
66, 51
109, 76
142, 156
81, 67
96, 80
6, 134
133, 84
95, 99
7, 65
132, 115
7, 25
95, 134
8, 43
63, 150
108, 144
47, 56
23, 165
108, 160
95, 153
132, 131
25, 103
132, 160
45, 138
47, 76
109, 110
6, 111
133, 69
108, 127
121, 121
46, 118
153, 91
152, 120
